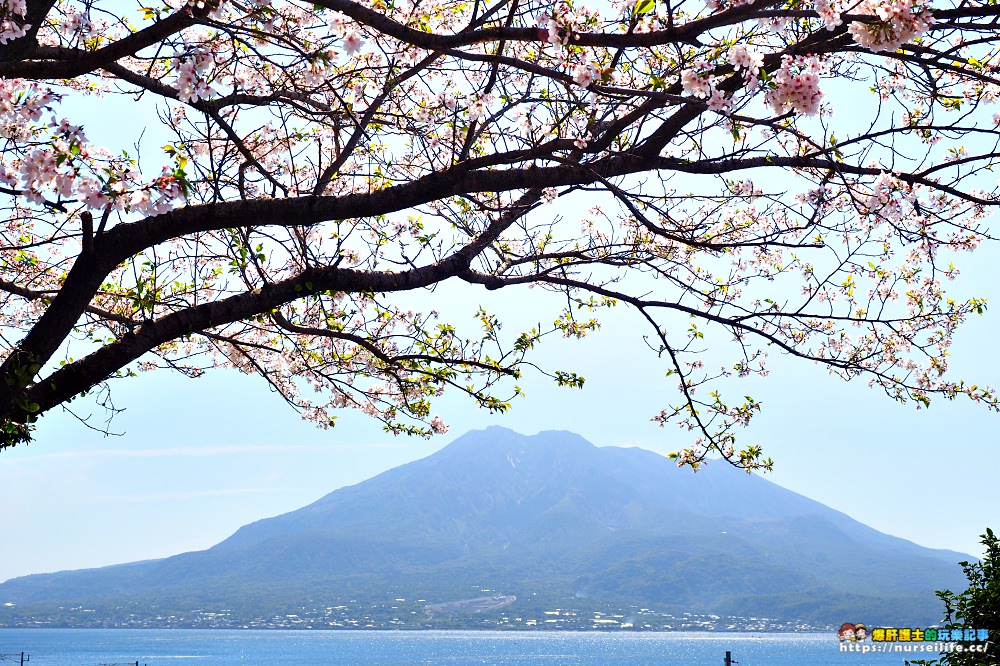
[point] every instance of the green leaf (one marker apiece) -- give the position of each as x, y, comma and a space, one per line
644, 7
570, 379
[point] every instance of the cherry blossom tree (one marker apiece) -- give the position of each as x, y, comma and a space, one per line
791, 176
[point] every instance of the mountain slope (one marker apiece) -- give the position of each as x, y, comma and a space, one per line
549, 514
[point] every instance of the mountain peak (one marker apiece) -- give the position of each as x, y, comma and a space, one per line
497, 437
552, 514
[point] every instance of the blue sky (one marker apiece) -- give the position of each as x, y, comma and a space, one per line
199, 458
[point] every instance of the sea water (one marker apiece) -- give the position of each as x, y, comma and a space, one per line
180, 647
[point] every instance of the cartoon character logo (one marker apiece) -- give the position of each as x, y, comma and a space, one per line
847, 632
860, 632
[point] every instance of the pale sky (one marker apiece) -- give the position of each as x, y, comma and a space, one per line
200, 458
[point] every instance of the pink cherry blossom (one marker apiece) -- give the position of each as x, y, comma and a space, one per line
584, 75
352, 43
306, 194
797, 86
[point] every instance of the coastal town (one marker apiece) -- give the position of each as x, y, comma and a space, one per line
498, 612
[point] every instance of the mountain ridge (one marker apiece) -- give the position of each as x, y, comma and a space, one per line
548, 514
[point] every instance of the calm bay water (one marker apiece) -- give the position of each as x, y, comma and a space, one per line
178, 647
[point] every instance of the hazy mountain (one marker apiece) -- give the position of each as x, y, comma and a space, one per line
548, 515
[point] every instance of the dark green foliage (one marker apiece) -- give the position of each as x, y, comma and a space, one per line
978, 607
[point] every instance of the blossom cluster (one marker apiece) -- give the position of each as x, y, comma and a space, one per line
550, 31
395, 113
697, 83
216, 7
193, 71
899, 21
584, 74
76, 23
745, 57
350, 37
10, 27
60, 165
21, 103
797, 85
892, 24
894, 200
57, 170
700, 84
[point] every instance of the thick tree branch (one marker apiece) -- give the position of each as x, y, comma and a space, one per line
53, 62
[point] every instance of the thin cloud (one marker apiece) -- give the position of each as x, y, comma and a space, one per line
639, 444
190, 494
200, 451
